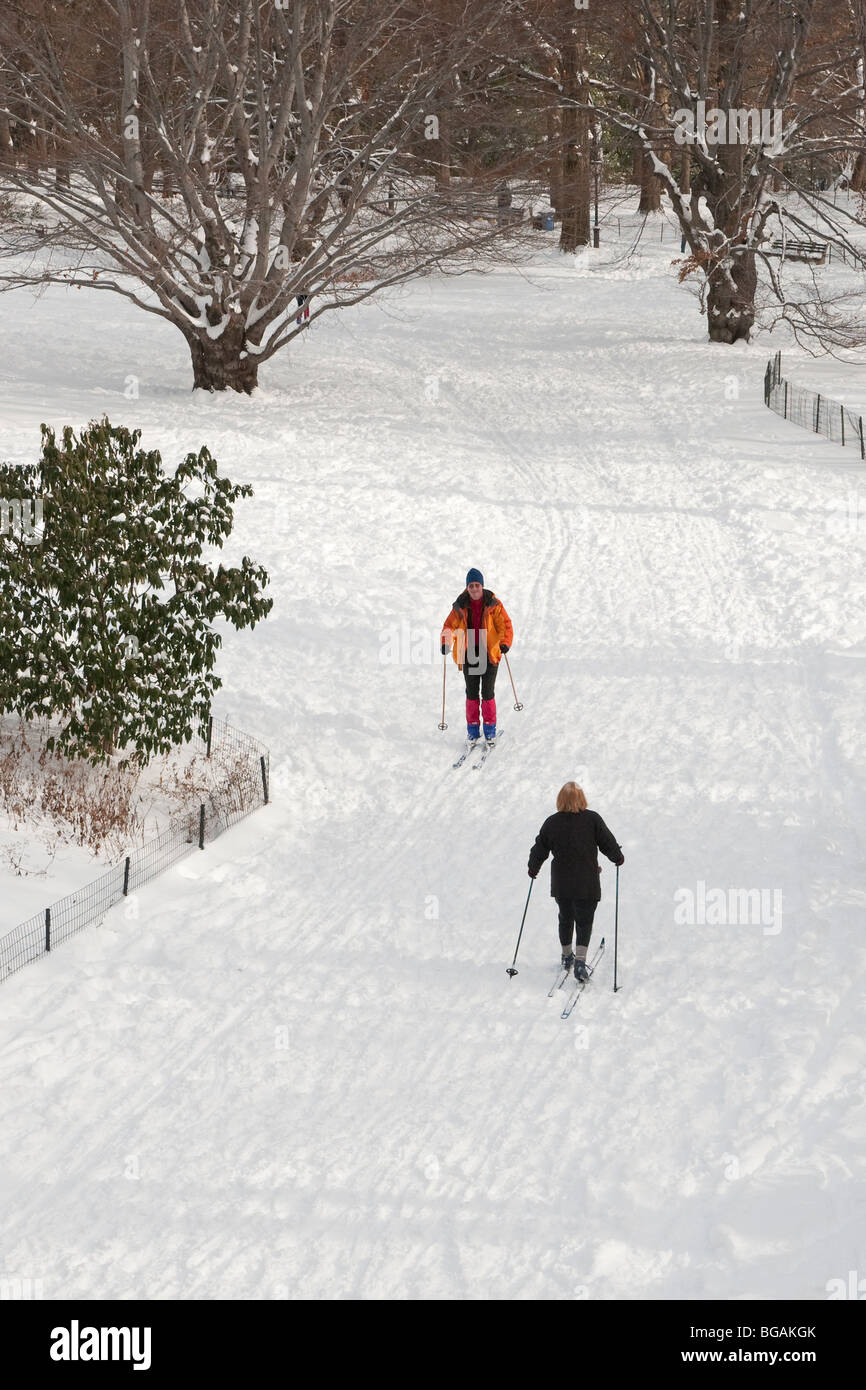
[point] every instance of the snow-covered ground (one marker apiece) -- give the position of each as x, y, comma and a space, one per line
295, 1066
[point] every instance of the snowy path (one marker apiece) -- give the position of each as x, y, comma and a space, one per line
301, 1070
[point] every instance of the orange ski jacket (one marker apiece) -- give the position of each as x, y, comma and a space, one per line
497, 625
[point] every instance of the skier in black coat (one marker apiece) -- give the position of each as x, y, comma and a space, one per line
573, 836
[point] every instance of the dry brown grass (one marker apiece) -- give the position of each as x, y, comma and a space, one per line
107, 809
63, 799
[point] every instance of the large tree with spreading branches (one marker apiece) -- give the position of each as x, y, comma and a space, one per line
781, 76
212, 160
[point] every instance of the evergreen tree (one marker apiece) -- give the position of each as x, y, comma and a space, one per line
107, 610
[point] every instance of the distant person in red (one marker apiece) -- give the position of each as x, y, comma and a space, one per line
304, 306
478, 630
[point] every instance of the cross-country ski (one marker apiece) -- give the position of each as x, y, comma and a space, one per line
583, 979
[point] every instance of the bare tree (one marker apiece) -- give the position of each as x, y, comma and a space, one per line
574, 181
223, 157
755, 89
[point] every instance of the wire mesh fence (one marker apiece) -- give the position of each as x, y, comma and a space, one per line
811, 410
241, 787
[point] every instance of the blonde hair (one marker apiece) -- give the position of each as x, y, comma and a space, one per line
571, 798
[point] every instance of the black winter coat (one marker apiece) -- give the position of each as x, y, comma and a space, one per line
573, 838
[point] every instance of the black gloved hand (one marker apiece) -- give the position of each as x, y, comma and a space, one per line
444, 649
504, 648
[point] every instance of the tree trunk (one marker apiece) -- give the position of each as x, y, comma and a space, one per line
575, 193
131, 147
35, 150
443, 162
733, 279
858, 176
650, 185
731, 299
650, 188
217, 363
7, 149
554, 165
61, 162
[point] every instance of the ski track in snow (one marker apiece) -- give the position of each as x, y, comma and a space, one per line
295, 1066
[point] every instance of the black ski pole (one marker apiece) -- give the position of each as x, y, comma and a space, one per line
510, 969
615, 930
443, 725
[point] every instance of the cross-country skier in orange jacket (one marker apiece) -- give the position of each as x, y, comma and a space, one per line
478, 630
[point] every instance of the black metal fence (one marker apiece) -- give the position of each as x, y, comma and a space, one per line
243, 787
810, 409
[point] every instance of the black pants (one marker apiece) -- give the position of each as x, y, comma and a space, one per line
575, 912
486, 679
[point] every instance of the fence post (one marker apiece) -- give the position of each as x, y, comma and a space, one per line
126, 877
209, 733
786, 400
201, 827
862, 445
818, 414
264, 778
48, 928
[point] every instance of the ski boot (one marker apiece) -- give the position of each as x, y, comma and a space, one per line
581, 974
568, 962
490, 733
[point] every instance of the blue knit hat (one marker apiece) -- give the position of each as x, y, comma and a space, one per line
474, 577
